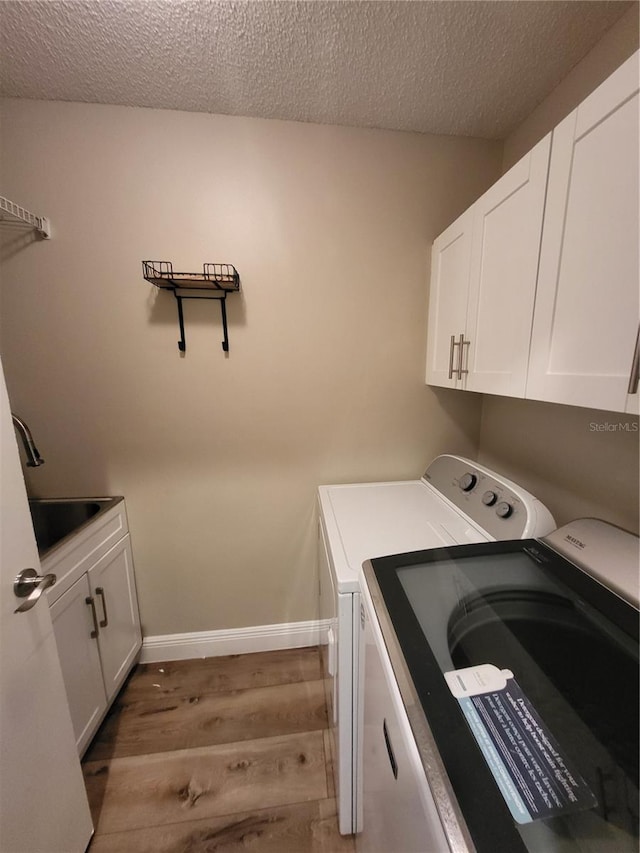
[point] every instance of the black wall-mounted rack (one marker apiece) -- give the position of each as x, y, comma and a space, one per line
214, 282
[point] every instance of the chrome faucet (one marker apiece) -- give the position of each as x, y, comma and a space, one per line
33, 457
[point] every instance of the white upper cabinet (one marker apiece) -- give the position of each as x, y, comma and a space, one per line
504, 265
450, 269
483, 281
535, 288
585, 326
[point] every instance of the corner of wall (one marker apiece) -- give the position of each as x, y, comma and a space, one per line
617, 45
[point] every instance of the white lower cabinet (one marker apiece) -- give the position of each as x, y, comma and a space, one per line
94, 610
113, 591
79, 660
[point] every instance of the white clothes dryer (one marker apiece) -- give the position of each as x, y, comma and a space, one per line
457, 501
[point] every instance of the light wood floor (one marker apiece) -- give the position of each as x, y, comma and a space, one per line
223, 754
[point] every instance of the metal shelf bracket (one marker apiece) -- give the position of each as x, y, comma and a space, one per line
182, 343
216, 281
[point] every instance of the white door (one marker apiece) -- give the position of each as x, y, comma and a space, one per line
586, 316
450, 268
43, 804
507, 226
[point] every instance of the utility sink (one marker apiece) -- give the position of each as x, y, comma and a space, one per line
56, 519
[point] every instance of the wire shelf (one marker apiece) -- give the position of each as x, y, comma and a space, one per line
15, 214
213, 276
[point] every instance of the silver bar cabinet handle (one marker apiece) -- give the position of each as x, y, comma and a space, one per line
89, 600
30, 585
462, 344
635, 368
103, 622
452, 347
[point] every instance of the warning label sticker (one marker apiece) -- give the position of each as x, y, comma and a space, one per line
535, 779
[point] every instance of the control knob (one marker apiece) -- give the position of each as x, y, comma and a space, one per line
489, 498
467, 482
504, 509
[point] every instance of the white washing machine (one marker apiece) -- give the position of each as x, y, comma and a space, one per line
501, 696
456, 502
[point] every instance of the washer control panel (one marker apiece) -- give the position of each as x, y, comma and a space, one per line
499, 506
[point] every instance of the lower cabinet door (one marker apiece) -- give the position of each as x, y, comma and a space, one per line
73, 626
113, 588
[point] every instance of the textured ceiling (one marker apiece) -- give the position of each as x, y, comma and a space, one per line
467, 68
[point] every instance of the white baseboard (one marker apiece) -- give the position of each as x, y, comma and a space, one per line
234, 641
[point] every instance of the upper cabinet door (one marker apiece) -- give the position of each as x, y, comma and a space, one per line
450, 265
507, 228
586, 315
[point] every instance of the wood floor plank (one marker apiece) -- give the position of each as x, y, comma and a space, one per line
329, 758
223, 674
171, 787
301, 828
137, 728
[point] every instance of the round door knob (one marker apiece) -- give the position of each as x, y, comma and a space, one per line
468, 481
504, 509
489, 498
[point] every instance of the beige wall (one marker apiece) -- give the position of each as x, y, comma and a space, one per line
609, 53
219, 458
579, 461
